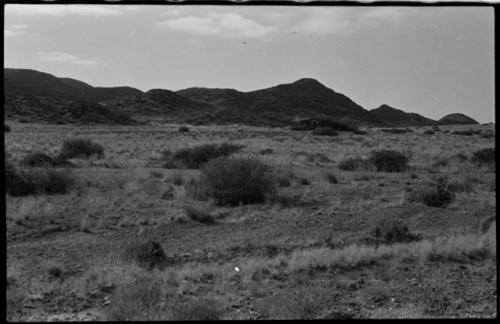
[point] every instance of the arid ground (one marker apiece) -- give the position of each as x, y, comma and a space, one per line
307, 252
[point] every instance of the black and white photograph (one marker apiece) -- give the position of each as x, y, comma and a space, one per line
173, 161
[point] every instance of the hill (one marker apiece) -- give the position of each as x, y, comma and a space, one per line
400, 118
456, 119
35, 83
282, 104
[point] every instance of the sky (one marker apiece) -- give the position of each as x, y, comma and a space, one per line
429, 60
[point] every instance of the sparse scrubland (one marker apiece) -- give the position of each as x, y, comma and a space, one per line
239, 222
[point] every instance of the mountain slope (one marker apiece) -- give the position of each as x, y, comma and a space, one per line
163, 106
456, 119
31, 82
400, 118
282, 104
52, 110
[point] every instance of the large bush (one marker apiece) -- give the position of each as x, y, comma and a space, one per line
80, 147
19, 182
237, 180
195, 157
389, 161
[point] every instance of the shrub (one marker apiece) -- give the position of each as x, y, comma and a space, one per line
176, 179
439, 196
6, 128
199, 310
20, 182
199, 215
465, 133
393, 231
484, 156
197, 189
55, 271
282, 180
147, 255
183, 129
429, 132
237, 180
394, 130
325, 131
80, 147
266, 151
355, 164
487, 135
303, 181
195, 157
39, 159
56, 182
139, 300
389, 161
330, 177
359, 132
465, 186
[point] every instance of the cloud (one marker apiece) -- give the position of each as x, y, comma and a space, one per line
222, 24
62, 57
66, 10
343, 20
15, 30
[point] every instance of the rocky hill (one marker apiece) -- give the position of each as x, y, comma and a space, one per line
399, 118
456, 119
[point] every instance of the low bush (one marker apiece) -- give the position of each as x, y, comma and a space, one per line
80, 147
355, 164
233, 181
330, 177
393, 231
439, 196
183, 129
359, 132
202, 309
324, 131
266, 151
465, 133
176, 179
487, 135
195, 157
147, 255
282, 180
139, 300
429, 132
389, 161
484, 156
39, 159
199, 215
6, 128
394, 130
